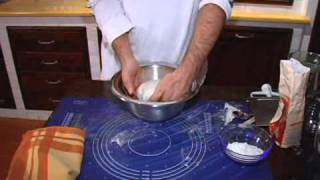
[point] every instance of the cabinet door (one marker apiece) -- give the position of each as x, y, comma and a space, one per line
6, 98
314, 45
248, 57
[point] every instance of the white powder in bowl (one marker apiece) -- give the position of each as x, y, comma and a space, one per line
244, 148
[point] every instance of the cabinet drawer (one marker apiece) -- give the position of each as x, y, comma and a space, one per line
42, 101
6, 98
237, 33
47, 38
44, 90
53, 62
47, 83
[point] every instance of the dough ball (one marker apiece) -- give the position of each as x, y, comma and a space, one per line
146, 89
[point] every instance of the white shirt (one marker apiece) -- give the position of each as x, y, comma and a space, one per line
160, 30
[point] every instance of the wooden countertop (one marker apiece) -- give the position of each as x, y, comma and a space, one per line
281, 17
43, 8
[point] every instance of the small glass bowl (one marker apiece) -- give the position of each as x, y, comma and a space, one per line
249, 134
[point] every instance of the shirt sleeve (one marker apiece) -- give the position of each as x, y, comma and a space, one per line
111, 19
225, 5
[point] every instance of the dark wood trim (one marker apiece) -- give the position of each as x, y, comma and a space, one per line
314, 45
99, 41
278, 2
6, 96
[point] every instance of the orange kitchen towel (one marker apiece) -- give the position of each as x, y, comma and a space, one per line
48, 153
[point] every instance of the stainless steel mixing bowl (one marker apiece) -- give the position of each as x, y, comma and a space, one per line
150, 111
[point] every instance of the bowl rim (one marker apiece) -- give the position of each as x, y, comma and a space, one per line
123, 97
261, 156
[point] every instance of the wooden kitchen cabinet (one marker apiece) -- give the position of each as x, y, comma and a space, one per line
46, 60
248, 56
6, 97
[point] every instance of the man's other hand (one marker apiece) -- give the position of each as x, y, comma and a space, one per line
174, 85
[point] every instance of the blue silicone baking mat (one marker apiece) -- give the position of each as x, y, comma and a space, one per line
120, 146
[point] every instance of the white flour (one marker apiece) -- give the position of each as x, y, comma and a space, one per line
244, 149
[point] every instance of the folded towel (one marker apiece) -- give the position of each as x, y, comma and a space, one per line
48, 153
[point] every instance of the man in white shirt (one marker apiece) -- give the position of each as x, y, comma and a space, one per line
180, 33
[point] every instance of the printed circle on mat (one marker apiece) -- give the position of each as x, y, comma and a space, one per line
157, 141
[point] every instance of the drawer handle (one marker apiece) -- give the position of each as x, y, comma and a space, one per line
46, 42
54, 100
240, 36
44, 62
53, 82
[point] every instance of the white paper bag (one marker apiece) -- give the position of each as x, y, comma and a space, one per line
286, 125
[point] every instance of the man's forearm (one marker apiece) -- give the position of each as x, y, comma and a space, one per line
209, 25
130, 67
122, 47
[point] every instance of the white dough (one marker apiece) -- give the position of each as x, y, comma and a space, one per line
146, 89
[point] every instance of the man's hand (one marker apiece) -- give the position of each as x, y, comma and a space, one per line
174, 85
130, 76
